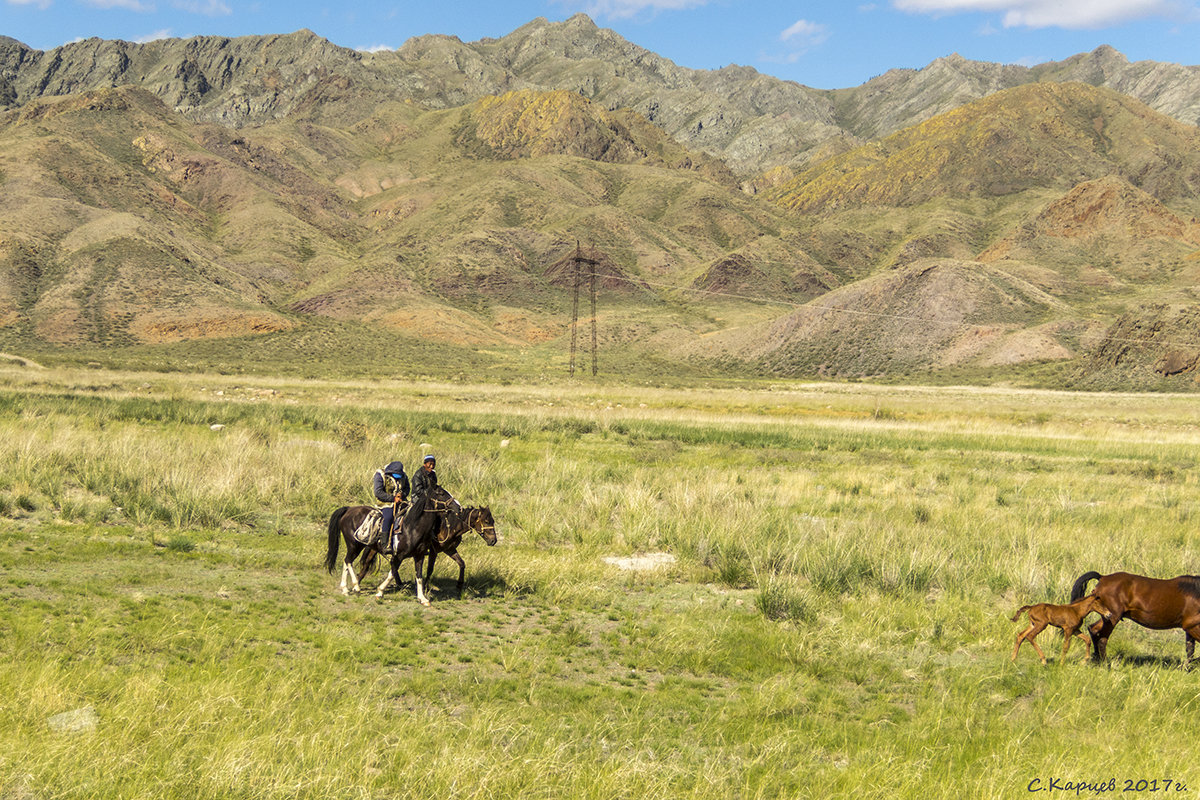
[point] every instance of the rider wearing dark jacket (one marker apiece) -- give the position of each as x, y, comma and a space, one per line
423, 484
391, 484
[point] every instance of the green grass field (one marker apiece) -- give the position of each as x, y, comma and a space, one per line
835, 622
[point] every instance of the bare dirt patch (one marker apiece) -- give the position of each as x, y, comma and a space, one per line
641, 563
445, 325
20, 361
163, 327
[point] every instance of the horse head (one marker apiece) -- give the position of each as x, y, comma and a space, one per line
481, 520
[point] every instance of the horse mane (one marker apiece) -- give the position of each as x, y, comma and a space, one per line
1190, 584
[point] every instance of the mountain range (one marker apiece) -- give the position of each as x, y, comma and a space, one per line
192, 201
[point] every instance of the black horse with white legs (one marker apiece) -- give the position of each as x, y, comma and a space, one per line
413, 540
450, 535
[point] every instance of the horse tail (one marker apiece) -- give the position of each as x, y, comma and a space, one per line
1020, 611
335, 538
1077, 591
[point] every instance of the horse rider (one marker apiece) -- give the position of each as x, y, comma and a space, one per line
391, 489
423, 483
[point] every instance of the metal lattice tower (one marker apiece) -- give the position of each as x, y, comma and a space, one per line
578, 262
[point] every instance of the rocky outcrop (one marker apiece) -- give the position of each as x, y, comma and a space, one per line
1171, 89
207, 78
901, 98
1158, 338
737, 114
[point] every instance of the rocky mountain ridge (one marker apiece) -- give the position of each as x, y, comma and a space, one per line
751, 121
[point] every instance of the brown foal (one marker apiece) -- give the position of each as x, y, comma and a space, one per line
1068, 617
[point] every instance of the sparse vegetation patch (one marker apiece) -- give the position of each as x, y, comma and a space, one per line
834, 611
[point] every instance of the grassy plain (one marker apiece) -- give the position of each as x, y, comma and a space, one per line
835, 622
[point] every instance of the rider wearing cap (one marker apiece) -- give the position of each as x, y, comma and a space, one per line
423, 484
391, 485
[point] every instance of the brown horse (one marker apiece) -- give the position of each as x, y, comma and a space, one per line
1154, 603
447, 539
409, 541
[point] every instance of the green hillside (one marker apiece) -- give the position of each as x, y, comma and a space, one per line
127, 227
1037, 136
435, 241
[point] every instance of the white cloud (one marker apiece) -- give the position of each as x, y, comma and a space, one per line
623, 9
799, 38
209, 8
43, 4
1075, 14
165, 33
128, 5
805, 33
376, 48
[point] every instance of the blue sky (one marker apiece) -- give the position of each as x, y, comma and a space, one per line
821, 43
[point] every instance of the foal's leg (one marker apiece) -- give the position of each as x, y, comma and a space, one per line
1087, 643
1033, 641
1028, 635
1020, 639
1069, 635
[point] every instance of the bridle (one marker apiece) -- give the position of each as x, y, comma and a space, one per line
440, 506
476, 515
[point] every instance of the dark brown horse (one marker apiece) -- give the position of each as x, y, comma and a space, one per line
1150, 602
410, 541
449, 536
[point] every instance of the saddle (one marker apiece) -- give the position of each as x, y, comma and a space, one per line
371, 528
